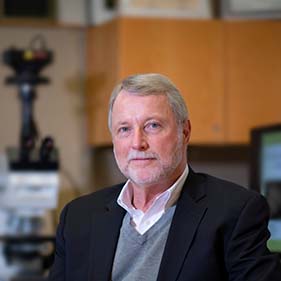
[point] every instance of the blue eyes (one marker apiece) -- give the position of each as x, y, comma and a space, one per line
123, 129
149, 127
153, 125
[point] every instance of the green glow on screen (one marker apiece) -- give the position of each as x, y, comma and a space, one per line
274, 245
272, 138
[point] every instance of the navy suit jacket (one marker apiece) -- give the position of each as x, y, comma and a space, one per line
218, 232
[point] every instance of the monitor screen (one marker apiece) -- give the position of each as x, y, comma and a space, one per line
266, 175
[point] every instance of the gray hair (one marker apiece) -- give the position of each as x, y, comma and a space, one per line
151, 84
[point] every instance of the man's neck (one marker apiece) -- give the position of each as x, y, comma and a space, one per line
144, 195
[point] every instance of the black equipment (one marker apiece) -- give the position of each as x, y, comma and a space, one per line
32, 175
27, 65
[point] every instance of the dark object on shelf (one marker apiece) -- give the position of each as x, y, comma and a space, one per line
45, 9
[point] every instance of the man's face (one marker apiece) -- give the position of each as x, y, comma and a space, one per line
149, 146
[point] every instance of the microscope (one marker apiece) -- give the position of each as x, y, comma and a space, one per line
29, 178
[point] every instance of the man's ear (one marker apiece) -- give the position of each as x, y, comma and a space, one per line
186, 131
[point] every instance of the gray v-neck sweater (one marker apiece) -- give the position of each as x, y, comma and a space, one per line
138, 256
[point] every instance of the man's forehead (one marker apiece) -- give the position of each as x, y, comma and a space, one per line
134, 107
127, 101
123, 94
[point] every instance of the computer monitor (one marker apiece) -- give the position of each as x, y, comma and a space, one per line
265, 175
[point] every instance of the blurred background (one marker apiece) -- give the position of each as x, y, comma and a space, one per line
60, 60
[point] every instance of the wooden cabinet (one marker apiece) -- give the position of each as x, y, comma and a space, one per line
253, 77
228, 72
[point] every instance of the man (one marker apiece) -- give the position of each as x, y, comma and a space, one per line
166, 223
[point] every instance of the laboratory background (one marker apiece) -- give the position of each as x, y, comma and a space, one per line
59, 62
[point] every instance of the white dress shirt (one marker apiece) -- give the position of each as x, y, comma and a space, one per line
143, 221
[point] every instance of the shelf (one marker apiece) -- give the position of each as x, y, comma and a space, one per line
38, 23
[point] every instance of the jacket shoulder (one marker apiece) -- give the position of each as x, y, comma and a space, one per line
226, 188
97, 199
223, 193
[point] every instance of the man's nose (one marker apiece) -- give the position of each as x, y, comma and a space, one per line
139, 141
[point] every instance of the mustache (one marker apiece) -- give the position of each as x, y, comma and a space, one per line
141, 155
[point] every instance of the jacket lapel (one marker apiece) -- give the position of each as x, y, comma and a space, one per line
188, 215
105, 232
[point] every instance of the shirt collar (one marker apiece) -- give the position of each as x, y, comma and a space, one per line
163, 201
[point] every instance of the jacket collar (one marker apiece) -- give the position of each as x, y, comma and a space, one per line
190, 210
104, 237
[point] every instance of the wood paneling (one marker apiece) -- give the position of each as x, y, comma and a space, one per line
253, 76
228, 72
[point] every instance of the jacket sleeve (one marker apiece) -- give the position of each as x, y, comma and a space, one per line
57, 272
247, 256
